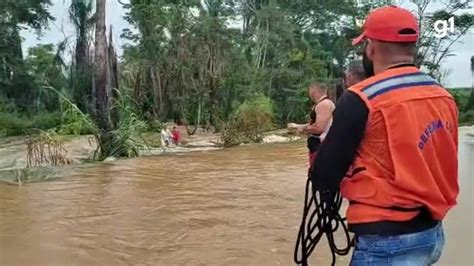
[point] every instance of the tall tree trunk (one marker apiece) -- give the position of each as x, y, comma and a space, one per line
81, 53
112, 72
160, 91
156, 92
100, 81
82, 75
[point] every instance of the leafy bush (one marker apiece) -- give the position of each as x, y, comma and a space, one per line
46, 121
461, 96
73, 120
466, 118
14, 124
126, 139
75, 123
457, 97
7, 106
466, 113
248, 122
155, 126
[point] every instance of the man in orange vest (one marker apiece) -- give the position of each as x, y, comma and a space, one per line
398, 131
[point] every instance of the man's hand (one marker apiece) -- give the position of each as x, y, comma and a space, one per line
299, 128
303, 129
293, 126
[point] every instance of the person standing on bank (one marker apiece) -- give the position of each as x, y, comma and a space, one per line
320, 118
398, 130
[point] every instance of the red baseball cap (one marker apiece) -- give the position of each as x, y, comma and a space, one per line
390, 24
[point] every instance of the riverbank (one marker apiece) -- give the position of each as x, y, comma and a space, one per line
468, 130
79, 151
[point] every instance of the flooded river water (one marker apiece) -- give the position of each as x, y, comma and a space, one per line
238, 206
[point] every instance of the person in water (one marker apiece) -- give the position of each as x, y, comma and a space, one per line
320, 118
166, 137
176, 136
399, 131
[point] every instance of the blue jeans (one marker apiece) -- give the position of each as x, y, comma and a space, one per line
418, 249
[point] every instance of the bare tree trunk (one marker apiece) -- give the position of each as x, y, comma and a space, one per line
137, 94
157, 99
100, 81
113, 85
160, 91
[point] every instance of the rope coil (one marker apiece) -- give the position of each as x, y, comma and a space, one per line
324, 219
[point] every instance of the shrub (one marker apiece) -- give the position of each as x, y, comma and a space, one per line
46, 121
73, 120
461, 96
75, 123
457, 97
155, 126
466, 118
126, 139
248, 122
13, 124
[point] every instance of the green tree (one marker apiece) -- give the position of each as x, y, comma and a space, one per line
191, 61
433, 51
82, 17
44, 66
14, 15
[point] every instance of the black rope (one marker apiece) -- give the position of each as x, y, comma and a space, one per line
322, 219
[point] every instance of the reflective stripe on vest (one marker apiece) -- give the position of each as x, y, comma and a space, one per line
398, 82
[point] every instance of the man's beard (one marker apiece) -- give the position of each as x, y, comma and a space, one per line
368, 65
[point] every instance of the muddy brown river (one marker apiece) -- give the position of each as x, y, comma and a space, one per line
238, 206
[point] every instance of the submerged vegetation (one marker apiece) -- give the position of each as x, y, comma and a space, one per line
239, 67
46, 150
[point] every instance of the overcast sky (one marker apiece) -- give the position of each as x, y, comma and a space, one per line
459, 64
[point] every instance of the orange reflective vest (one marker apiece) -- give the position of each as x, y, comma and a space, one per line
408, 156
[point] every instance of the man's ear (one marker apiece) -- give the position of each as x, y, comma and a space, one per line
370, 49
349, 78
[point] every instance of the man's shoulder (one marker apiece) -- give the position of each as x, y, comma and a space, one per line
387, 77
358, 87
325, 104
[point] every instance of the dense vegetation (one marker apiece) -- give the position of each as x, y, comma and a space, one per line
238, 66
466, 109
